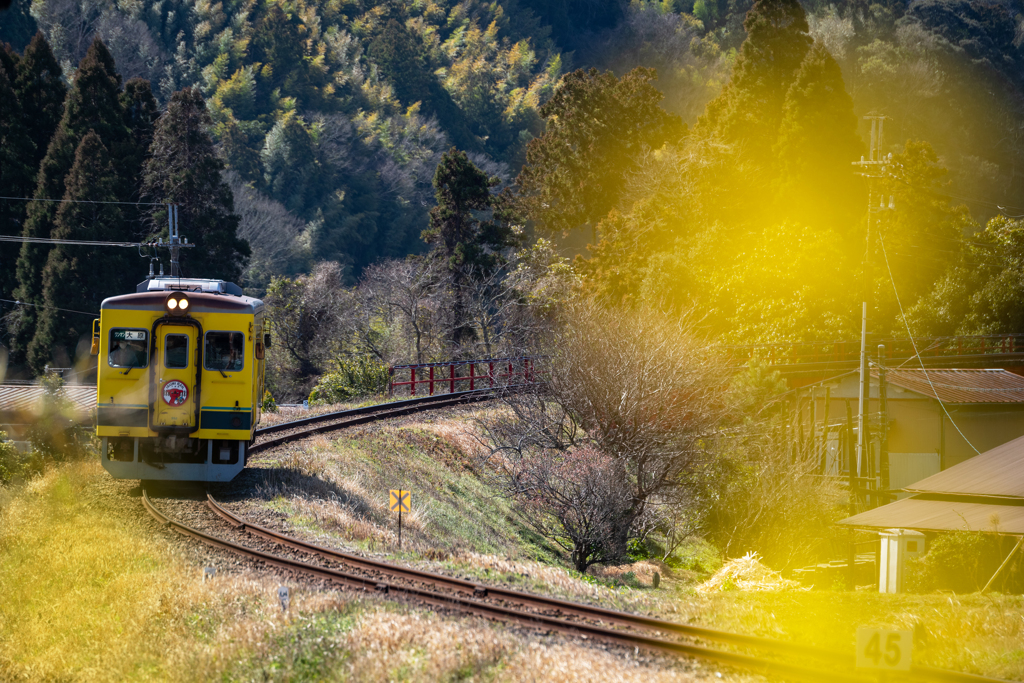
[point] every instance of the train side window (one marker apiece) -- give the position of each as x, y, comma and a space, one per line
224, 351
129, 348
176, 351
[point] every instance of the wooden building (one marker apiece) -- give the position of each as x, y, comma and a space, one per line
925, 422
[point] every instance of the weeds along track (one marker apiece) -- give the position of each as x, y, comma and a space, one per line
777, 659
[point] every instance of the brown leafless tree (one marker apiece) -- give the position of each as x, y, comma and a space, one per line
638, 385
402, 312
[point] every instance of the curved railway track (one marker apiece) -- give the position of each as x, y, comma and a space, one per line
774, 658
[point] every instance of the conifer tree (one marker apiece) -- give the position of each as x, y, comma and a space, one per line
93, 104
9, 59
16, 176
184, 169
140, 114
41, 91
817, 142
749, 109
468, 247
597, 126
79, 277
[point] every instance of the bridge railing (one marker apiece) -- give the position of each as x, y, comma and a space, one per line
462, 375
844, 352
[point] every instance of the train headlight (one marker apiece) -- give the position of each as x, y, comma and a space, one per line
177, 304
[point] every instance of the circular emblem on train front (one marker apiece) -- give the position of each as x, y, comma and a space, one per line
175, 393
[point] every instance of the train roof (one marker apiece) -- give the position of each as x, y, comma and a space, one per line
206, 296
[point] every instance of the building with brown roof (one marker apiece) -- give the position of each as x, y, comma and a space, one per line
933, 420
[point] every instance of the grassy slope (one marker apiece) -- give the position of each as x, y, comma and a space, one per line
93, 591
122, 603
460, 527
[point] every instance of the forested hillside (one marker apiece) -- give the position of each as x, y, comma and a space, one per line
710, 168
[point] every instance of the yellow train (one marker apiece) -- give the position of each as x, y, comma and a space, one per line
180, 375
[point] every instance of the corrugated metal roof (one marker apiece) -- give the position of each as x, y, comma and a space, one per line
985, 493
941, 515
961, 386
15, 398
996, 472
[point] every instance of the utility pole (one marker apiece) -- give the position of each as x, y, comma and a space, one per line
872, 168
883, 433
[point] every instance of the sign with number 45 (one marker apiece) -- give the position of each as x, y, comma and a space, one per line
881, 649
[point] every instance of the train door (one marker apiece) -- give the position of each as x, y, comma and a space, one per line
175, 363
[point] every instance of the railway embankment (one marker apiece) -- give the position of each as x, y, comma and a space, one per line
100, 591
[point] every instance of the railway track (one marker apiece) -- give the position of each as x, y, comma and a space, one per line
764, 656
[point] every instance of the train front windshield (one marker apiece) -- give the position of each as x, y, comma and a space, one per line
224, 351
128, 348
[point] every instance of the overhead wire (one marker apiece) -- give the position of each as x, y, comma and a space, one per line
917, 353
55, 308
81, 201
85, 243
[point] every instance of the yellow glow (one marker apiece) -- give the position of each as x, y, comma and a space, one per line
172, 304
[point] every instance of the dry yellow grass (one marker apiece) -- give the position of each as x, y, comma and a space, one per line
91, 594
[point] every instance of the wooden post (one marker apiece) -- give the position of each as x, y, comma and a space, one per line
851, 555
412, 386
431, 380
812, 440
883, 428
1003, 565
451, 377
824, 430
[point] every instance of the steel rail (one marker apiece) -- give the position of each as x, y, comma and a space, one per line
356, 416
529, 599
409, 406
498, 612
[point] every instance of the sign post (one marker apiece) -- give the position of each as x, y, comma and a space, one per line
400, 502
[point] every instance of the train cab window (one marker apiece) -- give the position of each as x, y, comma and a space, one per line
176, 351
129, 348
224, 351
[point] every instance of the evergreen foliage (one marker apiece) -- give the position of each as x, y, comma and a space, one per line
816, 143
40, 88
597, 126
93, 104
749, 109
16, 176
184, 169
16, 23
469, 247
78, 278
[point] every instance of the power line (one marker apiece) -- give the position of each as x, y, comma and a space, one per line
917, 353
86, 243
81, 201
65, 310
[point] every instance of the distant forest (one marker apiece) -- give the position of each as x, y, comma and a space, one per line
701, 158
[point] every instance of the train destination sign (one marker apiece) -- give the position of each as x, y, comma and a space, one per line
129, 335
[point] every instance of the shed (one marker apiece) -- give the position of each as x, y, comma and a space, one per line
984, 493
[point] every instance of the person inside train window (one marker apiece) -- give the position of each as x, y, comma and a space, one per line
224, 351
176, 351
127, 352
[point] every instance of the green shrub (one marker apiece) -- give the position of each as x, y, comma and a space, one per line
268, 404
358, 377
12, 462
961, 561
